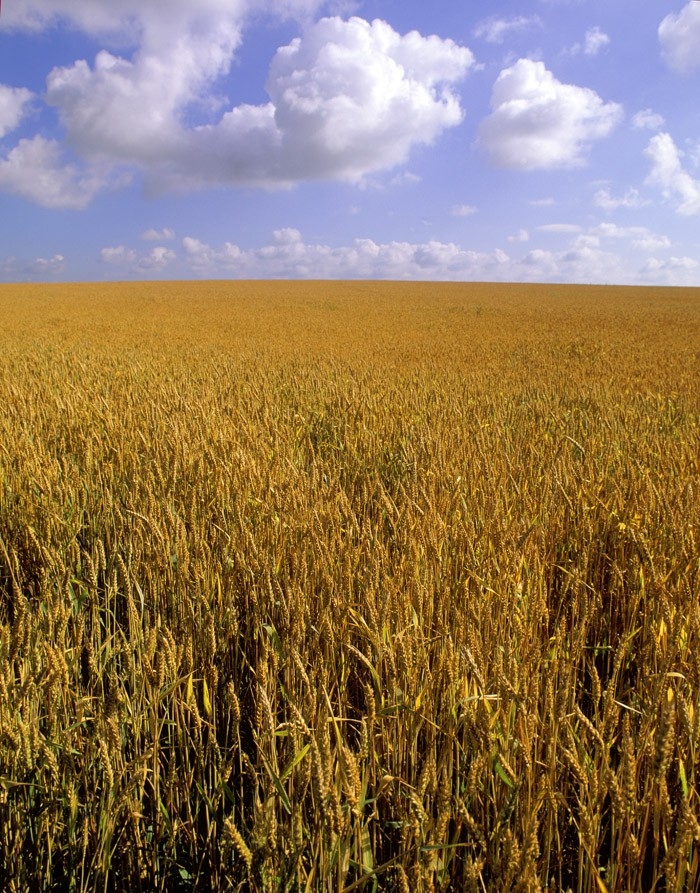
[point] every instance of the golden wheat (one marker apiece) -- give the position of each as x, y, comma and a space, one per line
349, 586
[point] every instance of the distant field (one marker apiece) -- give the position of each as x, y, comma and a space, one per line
323, 586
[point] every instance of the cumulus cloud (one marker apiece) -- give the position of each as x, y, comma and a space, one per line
593, 43
672, 263
288, 256
693, 151
647, 120
673, 270
157, 259
495, 30
36, 170
131, 20
39, 269
405, 178
594, 245
347, 98
156, 235
668, 174
118, 255
638, 237
679, 34
583, 260
631, 199
602, 253
129, 111
464, 210
650, 242
51, 266
13, 105
560, 228
128, 260
204, 260
352, 97
538, 122
93, 17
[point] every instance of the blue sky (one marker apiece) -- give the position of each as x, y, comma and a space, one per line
540, 140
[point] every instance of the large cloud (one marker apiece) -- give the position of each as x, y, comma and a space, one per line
668, 174
351, 97
347, 98
679, 34
129, 110
539, 122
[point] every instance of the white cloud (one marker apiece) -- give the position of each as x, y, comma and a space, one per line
118, 255
13, 105
631, 199
193, 246
679, 34
677, 263
639, 237
464, 210
671, 271
48, 266
542, 202
585, 258
594, 41
155, 235
651, 242
202, 259
586, 241
287, 255
560, 228
693, 151
40, 269
668, 174
586, 262
347, 98
613, 231
647, 120
35, 169
405, 178
128, 111
92, 17
495, 30
538, 122
130, 20
157, 260
353, 97
521, 236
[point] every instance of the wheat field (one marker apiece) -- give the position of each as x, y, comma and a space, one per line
349, 587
